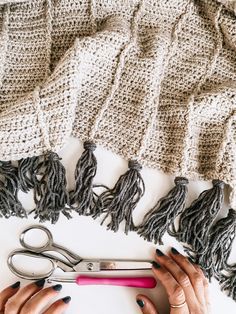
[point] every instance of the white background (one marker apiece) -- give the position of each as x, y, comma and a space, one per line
87, 238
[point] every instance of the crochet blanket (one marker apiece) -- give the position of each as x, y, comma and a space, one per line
154, 81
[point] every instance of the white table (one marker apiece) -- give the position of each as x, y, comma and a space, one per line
86, 237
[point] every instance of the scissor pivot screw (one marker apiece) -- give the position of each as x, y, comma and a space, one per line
90, 266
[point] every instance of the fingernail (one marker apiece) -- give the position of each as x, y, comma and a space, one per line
57, 287
140, 303
40, 283
174, 251
159, 252
156, 265
66, 300
190, 260
15, 285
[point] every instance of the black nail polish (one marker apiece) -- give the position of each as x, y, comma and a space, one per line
40, 283
66, 300
156, 265
140, 303
190, 260
159, 252
57, 287
174, 251
16, 285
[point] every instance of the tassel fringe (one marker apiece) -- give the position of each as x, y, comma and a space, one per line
9, 187
214, 258
26, 173
196, 221
119, 202
158, 221
208, 245
83, 197
51, 195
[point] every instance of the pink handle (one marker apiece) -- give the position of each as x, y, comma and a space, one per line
138, 282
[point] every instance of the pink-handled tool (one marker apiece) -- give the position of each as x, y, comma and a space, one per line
137, 282
70, 262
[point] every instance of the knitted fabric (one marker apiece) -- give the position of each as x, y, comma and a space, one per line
152, 80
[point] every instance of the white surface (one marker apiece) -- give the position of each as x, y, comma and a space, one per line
86, 237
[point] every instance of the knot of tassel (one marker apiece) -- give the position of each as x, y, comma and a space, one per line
219, 183
162, 215
181, 181
90, 146
135, 165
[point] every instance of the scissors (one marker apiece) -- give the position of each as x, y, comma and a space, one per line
72, 262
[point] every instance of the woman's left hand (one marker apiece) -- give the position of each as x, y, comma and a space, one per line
32, 299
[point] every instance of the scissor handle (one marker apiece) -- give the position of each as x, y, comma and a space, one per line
49, 245
25, 275
40, 248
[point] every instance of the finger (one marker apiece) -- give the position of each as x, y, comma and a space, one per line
40, 300
59, 306
15, 303
181, 277
195, 277
7, 294
146, 305
174, 290
206, 287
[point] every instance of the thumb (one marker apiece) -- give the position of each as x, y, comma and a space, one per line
146, 305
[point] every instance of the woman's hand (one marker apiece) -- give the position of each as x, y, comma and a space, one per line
184, 282
31, 299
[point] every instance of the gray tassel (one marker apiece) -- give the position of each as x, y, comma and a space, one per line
51, 195
26, 173
196, 221
214, 258
119, 202
83, 197
9, 186
158, 220
228, 283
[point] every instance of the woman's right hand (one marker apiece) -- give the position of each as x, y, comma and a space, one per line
184, 282
32, 299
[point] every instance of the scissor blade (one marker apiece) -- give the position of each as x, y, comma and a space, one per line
125, 265
104, 265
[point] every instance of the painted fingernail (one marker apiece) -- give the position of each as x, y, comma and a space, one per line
156, 265
15, 285
174, 251
190, 260
66, 300
57, 287
159, 252
40, 283
140, 303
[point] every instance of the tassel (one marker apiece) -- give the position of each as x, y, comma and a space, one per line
51, 195
157, 222
196, 221
119, 202
215, 256
9, 186
228, 283
83, 195
26, 173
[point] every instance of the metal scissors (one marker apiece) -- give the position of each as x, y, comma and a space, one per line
70, 262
